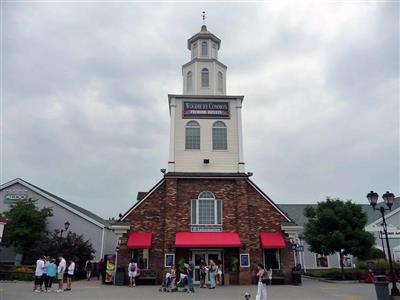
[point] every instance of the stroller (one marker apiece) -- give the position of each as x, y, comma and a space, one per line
168, 284
181, 285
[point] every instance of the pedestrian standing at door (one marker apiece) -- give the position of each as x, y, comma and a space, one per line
269, 274
262, 283
88, 269
132, 272
203, 274
189, 272
218, 273
212, 267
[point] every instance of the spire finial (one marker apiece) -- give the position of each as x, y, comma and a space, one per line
204, 17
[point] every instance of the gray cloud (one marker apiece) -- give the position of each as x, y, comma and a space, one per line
85, 87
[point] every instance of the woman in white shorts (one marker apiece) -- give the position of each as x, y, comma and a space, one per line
132, 273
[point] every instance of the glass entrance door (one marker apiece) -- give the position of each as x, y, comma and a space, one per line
204, 255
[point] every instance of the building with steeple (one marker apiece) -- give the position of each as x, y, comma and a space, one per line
206, 207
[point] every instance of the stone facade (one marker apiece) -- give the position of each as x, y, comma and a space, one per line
167, 210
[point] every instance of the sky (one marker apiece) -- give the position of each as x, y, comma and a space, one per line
84, 106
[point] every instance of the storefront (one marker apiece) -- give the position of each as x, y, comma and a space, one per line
206, 207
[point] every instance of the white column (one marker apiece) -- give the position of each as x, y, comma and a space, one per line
171, 159
241, 167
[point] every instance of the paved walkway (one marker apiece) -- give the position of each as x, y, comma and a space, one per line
84, 290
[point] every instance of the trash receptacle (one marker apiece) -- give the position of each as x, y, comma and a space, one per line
381, 287
296, 277
120, 276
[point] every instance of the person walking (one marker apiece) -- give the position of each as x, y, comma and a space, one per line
203, 274
39, 275
211, 273
51, 273
62, 265
132, 273
262, 283
88, 269
100, 269
189, 272
70, 274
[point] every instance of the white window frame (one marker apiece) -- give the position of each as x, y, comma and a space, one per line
351, 258
279, 257
202, 44
198, 211
316, 264
189, 88
248, 259
226, 135
165, 259
192, 126
194, 50
148, 259
220, 81
208, 78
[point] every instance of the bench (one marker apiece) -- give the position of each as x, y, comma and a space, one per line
147, 275
278, 276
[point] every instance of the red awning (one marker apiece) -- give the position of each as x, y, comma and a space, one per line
140, 240
272, 240
207, 239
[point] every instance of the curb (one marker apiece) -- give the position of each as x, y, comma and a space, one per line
331, 280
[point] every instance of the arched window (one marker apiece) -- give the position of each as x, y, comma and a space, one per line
206, 210
220, 81
219, 136
189, 81
204, 49
204, 77
192, 135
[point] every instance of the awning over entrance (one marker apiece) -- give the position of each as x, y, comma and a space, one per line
207, 239
140, 240
272, 240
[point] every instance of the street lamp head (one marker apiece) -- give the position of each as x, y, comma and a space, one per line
66, 225
372, 198
389, 199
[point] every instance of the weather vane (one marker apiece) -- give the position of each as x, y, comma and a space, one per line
204, 17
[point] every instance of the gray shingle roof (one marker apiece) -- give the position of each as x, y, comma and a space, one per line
296, 211
74, 206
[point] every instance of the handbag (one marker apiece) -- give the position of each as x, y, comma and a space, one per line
265, 278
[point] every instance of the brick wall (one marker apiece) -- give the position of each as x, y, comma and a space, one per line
168, 209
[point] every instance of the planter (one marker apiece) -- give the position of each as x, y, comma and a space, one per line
227, 279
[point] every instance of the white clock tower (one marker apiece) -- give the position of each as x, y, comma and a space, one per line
206, 124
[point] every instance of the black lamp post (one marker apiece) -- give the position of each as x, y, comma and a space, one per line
389, 199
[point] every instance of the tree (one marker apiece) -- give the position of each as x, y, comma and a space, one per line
26, 225
337, 226
70, 246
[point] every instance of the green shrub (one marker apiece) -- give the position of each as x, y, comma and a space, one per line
336, 274
378, 266
16, 276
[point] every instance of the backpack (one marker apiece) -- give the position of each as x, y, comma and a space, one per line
133, 267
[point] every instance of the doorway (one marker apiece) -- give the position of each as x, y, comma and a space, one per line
205, 255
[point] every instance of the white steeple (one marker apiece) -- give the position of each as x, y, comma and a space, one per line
204, 74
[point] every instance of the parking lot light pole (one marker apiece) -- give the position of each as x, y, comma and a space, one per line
388, 199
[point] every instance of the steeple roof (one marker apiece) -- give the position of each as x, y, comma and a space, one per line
203, 34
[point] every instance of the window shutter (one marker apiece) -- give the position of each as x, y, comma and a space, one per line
194, 212
219, 211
